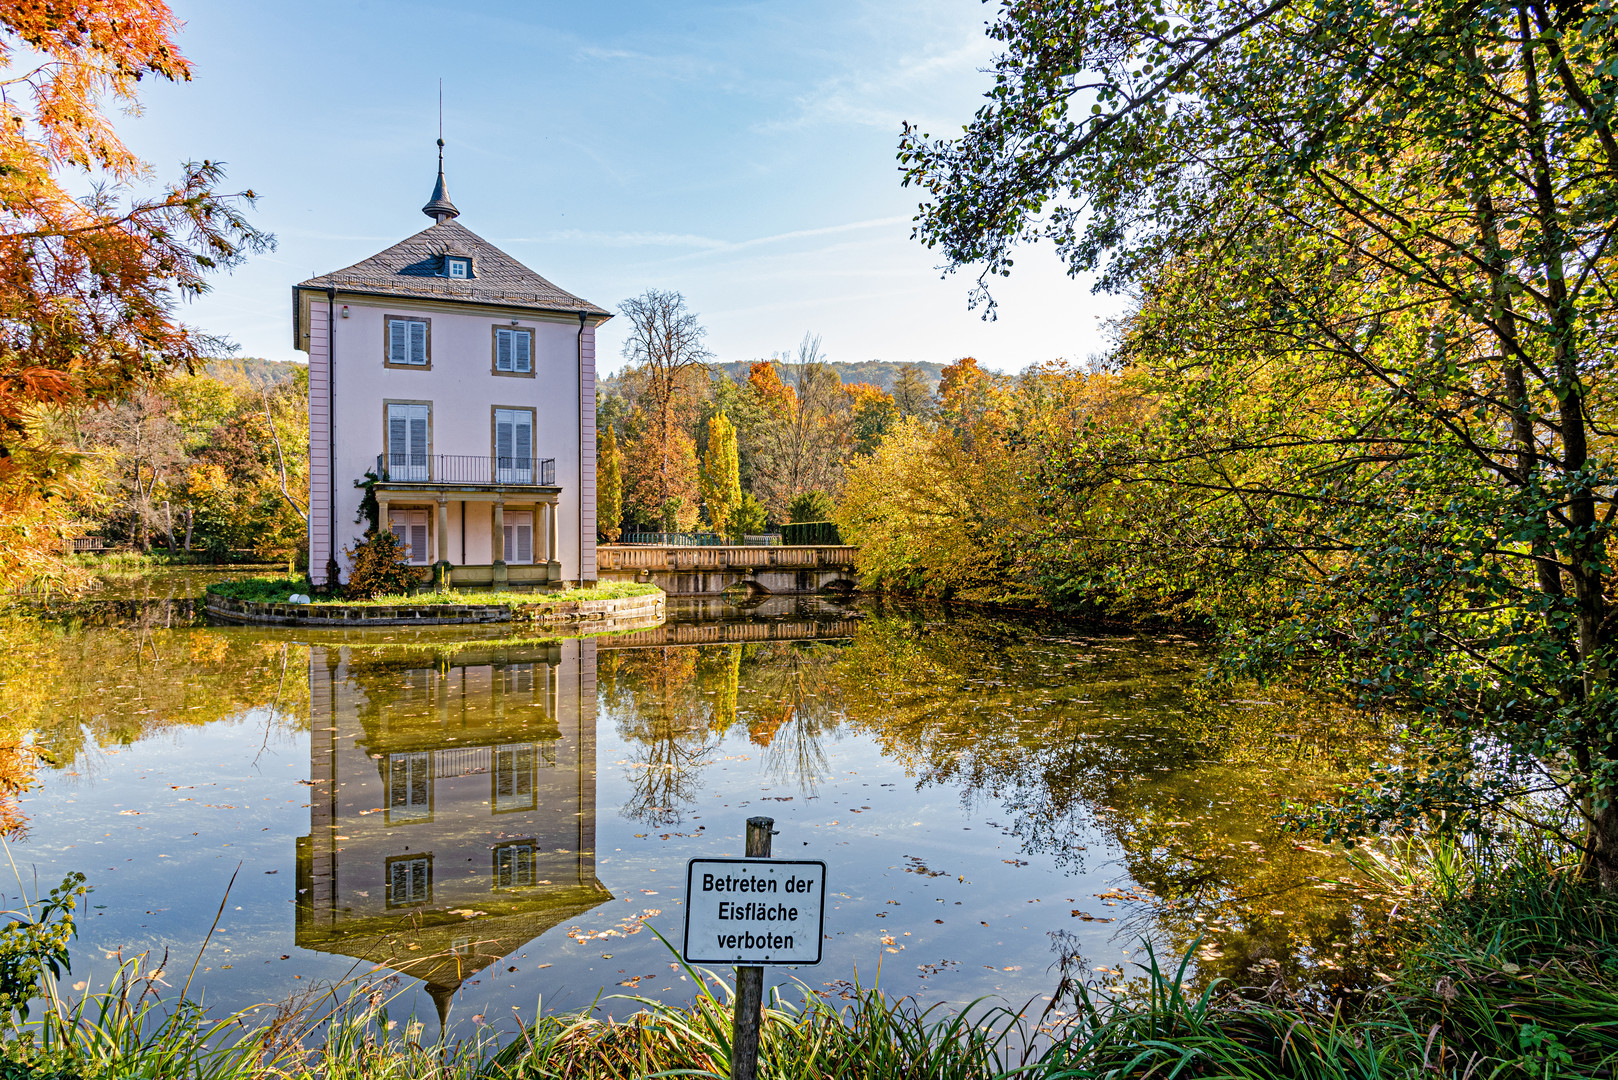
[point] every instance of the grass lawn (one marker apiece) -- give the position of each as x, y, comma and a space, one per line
276, 590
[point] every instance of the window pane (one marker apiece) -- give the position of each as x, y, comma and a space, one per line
418, 440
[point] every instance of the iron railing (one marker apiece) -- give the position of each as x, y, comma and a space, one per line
493, 470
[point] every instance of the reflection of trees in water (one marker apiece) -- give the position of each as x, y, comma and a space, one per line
676, 703
663, 702
793, 700
1072, 731
76, 683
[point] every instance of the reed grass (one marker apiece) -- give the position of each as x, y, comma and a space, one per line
1513, 972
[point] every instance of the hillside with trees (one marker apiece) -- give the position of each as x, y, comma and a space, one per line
882, 374
733, 448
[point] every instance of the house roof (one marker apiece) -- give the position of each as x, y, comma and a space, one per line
414, 268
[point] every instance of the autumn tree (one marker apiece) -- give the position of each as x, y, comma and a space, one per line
874, 412
202, 463
1370, 247
90, 280
800, 442
609, 487
721, 482
666, 345
660, 474
911, 393
143, 454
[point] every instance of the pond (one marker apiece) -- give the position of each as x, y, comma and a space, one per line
503, 822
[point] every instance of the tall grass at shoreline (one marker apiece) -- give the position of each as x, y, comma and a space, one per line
1509, 968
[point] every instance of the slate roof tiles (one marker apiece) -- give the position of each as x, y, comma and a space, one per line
414, 268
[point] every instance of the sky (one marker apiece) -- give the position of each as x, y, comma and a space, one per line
739, 153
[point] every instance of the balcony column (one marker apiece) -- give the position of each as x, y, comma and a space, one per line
441, 568
553, 545
541, 533
381, 512
497, 544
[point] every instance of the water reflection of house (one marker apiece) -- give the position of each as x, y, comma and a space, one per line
452, 815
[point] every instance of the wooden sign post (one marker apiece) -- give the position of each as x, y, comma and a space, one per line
749, 979
752, 912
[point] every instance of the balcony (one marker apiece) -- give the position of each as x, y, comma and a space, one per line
480, 470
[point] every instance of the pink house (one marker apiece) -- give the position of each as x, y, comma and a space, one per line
464, 383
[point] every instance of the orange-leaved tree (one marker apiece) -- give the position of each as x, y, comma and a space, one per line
89, 279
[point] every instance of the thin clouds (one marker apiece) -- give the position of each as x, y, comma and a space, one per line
668, 65
880, 86
706, 245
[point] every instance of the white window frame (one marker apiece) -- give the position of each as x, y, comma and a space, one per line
519, 533
514, 461
407, 341
453, 263
514, 780
410, 775
414, 528
409, 427
513, 350
516, 865
412, 867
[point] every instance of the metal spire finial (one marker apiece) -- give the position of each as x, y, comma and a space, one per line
439, 208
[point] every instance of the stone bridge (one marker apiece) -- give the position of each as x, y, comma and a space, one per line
709, 571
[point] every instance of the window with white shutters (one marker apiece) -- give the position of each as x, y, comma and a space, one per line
514, 777
407, 341
410, 880
514, 446
513, 351
516, 865
410, 788
408, 430
519, 536
410, 526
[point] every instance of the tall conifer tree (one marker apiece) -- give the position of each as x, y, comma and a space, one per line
721, 472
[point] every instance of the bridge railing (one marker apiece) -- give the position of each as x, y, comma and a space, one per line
742, 559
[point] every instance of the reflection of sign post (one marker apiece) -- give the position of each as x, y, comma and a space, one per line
751, 912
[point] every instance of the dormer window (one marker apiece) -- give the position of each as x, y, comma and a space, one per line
457, 267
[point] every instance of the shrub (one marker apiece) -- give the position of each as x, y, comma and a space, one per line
810, 506
747, 518
379, 568
36, 941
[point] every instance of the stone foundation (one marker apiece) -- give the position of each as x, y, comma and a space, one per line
576, 614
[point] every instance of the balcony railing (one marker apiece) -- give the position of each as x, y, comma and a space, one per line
407, 468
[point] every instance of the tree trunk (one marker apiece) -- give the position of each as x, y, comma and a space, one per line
1600, 864
138, 517
190, 523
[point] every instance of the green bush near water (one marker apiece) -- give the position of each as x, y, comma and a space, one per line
1509, 969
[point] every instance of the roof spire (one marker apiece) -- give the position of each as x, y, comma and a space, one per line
439, 208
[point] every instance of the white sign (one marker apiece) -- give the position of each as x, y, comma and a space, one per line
754, 911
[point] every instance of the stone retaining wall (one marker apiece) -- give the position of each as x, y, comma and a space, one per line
579, 613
